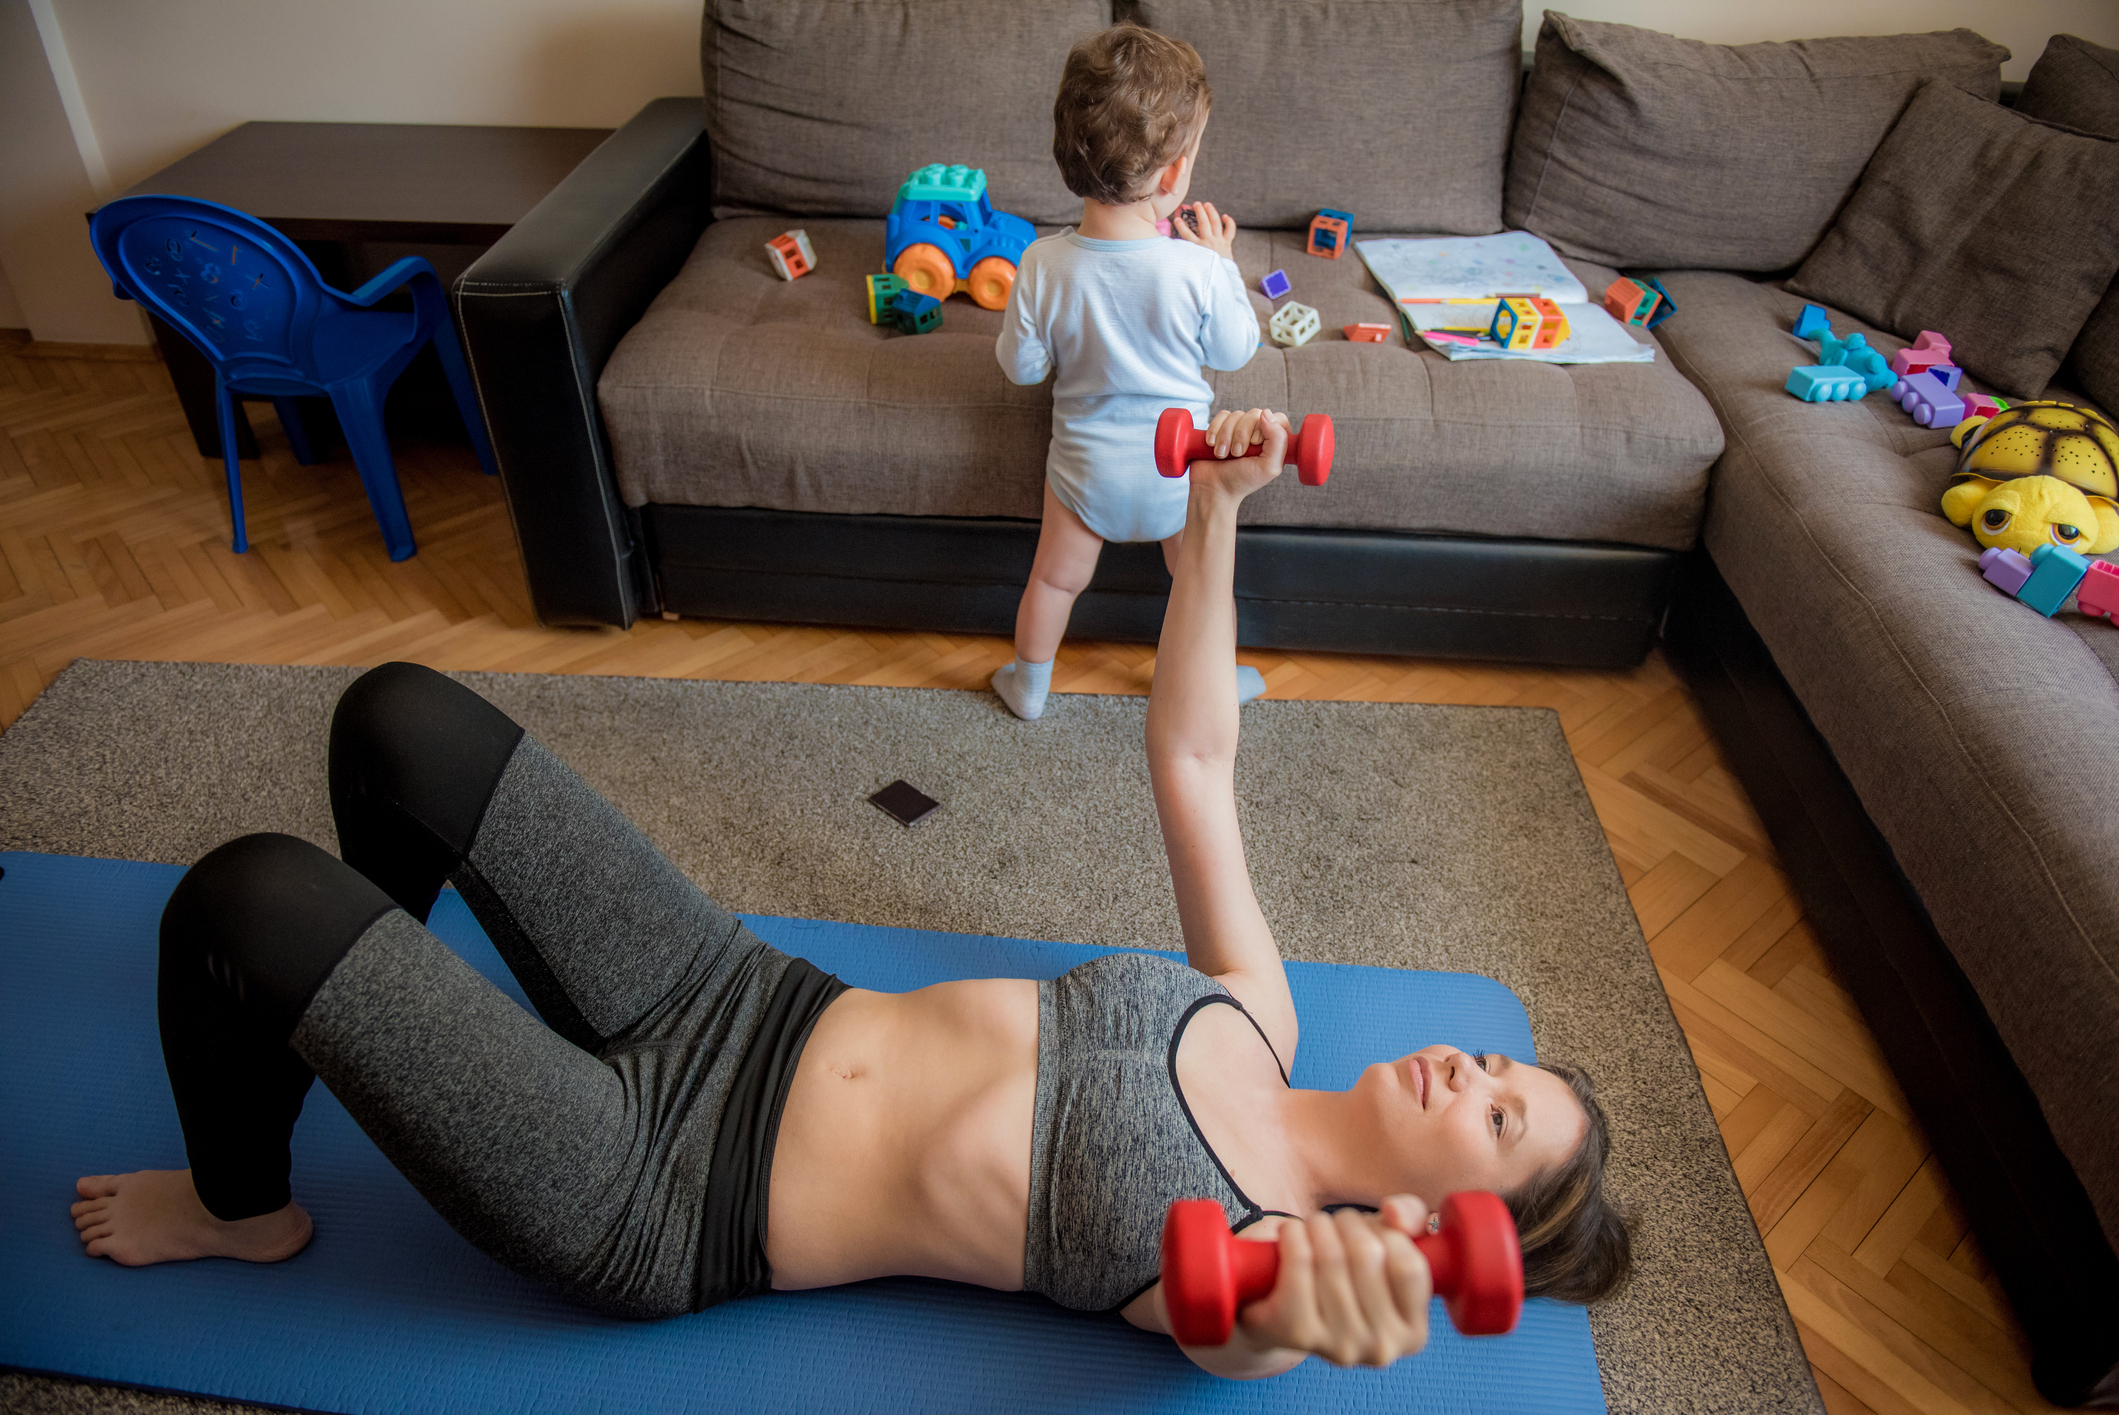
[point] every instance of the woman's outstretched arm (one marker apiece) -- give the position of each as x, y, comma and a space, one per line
1192, 731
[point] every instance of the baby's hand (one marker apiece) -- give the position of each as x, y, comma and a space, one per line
1215, 231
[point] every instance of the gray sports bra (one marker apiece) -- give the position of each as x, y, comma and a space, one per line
1112, 1142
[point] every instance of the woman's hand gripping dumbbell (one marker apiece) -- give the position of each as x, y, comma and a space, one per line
1178, 444
1209, 1274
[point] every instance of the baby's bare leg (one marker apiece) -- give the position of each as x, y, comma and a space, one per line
1067, 552
154, 1216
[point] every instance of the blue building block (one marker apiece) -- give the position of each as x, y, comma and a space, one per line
2055, 571
1275, 285
916, 313
1812, 322
1665, 307
1950, 374
1826, 383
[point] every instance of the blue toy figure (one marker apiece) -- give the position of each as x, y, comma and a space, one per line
1854, 352
915, 313
256, 307
943, 236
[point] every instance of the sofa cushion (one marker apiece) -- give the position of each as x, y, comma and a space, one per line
1640, 148
824, 106
740, 389
1998, 230
1982, 738
1314, 101
2076, 83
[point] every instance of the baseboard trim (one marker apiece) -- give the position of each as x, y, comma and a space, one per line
18, 343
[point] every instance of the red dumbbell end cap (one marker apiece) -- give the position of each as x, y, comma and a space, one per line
1489, 1279
1173, 435
1199, 1283
1312, 452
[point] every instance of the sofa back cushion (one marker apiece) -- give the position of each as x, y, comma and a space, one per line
2076, 83
1991, 227
1395, 110
1636, 148
823, 107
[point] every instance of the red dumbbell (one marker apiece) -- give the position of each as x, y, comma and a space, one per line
1178, 445
1208, 1272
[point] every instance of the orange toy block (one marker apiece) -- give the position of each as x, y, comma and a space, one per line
1366, 333
1630, 302
791, 254
1552, 325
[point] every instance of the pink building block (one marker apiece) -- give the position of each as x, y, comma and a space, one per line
2098, 595
1930, 342
1979, 405
2004, 569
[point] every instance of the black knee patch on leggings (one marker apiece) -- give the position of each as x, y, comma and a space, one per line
266, 918
414, 760
249, 935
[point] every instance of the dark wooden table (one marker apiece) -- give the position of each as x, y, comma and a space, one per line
355, 197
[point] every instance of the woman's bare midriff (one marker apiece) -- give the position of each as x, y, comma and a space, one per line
904, 1147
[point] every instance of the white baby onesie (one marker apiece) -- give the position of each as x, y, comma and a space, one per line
1127, 324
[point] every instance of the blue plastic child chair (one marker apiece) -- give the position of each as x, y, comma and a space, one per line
256, 307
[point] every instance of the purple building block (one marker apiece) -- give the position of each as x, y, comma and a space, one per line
1928, 401
1812, 322
1826, 383
2004, 569
2055, 571
1275, 285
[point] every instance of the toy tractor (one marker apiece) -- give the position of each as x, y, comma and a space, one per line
943, 236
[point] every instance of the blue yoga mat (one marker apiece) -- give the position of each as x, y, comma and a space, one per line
389, 1311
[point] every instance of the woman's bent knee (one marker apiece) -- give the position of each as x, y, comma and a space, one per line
407, 737
267, 917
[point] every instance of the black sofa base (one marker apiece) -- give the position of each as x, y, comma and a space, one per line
1328, 590
2033, 1218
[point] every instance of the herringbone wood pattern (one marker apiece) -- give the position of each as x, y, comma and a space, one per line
114, 543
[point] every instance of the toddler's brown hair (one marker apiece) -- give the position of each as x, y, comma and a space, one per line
1130, 101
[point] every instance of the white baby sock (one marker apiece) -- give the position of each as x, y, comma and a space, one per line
1250, 683
1023, 687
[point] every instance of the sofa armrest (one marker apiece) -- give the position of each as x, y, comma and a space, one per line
542, 311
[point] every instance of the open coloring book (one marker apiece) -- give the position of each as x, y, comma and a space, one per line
1444, 283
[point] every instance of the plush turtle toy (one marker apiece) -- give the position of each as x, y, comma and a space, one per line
2035, 474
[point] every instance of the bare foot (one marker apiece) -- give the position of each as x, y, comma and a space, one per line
154, 1216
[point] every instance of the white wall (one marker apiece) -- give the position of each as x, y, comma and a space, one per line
157, 79
11, 316
2023, 25
58, 290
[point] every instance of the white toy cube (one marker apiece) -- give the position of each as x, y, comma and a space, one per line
1294, 325
791, 254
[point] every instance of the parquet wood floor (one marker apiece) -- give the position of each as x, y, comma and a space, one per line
114, 544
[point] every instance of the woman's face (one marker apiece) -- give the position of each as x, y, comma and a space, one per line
1454, 1120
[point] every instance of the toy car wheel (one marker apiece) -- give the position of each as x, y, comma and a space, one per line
926, 269
991, 280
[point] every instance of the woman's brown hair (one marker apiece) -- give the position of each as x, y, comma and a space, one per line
1576, 1244
1130, 101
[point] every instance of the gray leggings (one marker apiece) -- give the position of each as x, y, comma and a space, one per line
581, 1156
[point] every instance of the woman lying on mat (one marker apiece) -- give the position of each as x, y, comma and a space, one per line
701, 1117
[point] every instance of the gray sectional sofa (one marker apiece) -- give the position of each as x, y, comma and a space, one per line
681, 432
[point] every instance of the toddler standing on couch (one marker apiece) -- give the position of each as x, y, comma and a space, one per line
1125, 317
